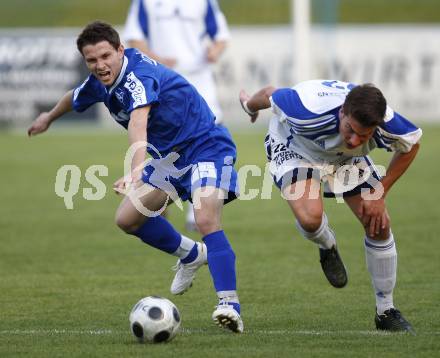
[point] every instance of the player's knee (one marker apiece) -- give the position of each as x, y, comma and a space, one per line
127, 225
310, 220
207, 224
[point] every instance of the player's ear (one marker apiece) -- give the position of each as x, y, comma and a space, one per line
121, 51
341, 111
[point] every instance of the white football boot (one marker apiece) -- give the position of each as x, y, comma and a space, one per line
226, 316
185, 273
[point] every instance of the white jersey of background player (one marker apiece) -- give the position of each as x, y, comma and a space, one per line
321, 132
185, 35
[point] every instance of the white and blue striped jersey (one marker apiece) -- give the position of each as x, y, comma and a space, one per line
178, 114
307, 117
177, 29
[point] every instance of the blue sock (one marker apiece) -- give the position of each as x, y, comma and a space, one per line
221, 262
159, 233
191, 256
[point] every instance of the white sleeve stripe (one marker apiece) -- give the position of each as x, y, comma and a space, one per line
414, 135
301, 122
78, 90
311, 123
400, 143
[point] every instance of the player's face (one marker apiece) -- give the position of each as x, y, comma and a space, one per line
352, 132
103, 61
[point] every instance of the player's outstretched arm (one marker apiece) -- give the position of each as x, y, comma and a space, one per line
260, 100
44, 120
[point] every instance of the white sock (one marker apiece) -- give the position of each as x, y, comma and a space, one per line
324, 236
228, 296
381, 258
190, 218
184, 248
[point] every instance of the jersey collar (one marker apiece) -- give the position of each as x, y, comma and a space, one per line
121, 74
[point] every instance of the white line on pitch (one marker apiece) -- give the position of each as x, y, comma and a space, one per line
91, 332
103, 332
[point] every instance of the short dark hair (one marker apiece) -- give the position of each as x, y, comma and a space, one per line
366, 104
95, 32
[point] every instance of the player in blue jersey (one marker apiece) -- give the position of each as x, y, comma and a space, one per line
322, 132
187, 36
191, 157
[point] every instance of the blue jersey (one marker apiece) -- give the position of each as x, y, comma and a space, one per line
178, 114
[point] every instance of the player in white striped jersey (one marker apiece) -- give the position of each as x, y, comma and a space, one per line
322, 132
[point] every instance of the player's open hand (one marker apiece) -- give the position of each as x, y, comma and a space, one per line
40, 124
374, 216
127, 182
122, 185
244, 98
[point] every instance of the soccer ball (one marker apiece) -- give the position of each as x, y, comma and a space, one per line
154, 319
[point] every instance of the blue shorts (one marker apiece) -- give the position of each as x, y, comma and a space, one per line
206, 161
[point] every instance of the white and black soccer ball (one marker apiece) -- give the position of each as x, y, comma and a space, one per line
154, 319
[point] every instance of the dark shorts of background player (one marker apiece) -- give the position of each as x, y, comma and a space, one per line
304, 173
215, 147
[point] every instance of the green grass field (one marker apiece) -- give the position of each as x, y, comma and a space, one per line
68, 278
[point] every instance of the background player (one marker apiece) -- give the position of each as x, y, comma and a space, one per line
146, 97
322, 131
187, 36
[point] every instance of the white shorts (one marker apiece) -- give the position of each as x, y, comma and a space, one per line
346, 178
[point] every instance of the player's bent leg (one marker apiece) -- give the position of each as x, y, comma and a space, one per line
313, 225
208, 205
129, 218
157, 232
381, 259
307, 206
